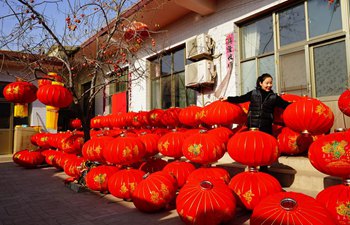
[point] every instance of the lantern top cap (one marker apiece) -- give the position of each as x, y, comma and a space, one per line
288, 204
206, 185
254, 129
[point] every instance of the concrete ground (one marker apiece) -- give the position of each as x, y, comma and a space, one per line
40, 197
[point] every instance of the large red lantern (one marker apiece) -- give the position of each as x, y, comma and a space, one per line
155, 192
344, 102
124, 150
287, 142
49, 78
223, 133
253, 148
54, 96
41, 139
278, 112
310, 115
97, 178
330, 154
154, 117
337, 200
28, 158
181, 170
252, 186
191, 116
21, 93
205, 203
290, 208
203, 148
71, 143
222, 113
171, 144
152, 165
74, 166
150, 141
170, 117
209, 173
123, 183
93, 149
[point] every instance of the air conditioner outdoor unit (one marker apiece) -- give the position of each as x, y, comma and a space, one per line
199, 47
199, 73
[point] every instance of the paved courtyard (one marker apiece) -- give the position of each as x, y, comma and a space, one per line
39, 196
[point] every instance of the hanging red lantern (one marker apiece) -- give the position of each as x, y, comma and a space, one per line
253, 148
28, 158
203, 148
124, 150
222, 113
49, 78
123, 183
97, 178
21, 93
310, 115
252, 186
75, 124
205, 203
337, 201
285, 207
154, 117
171, 144
344, 102
93, 149
155, 192
180, 170
209, 173
191, 116
150, 141
330, 154
54, 96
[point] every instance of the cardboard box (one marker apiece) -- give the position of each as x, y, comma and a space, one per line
22, 138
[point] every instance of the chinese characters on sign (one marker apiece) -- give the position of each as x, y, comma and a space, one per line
230, 49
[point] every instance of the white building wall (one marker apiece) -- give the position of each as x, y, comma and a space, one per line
217, 25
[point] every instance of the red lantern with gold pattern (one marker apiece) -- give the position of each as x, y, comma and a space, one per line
278, 112
223, 133
72, 143
170, 117
287, 142
74, 166
154, 117
191, 116
41, 139
150, 142
124, 150
205, 203
93, 149
209, 173
344, 102
49, 78
203, 148
155, 192
253, 148
222, 113
123, 183
97, 178
310, 115
181, 171
171, 144
152, 165
252, 186
75, 124
28, 158
337, 200
330, 154
21, 93
290, 208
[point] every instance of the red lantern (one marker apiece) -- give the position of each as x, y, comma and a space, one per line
71, 143
309, 114
47, 79
171, 144
287, 142
152, 165
93, 149
223, 133
222, 113
290, 208
41, 139
191, 116
203, 148
337, 201
170, 117
181, 171
21, 93
150, 141
74, 166
140, 119
205, 203
123, 183
344, 102
54, 96
124, 150
252, 186
28, 158
209, 173
50, 156
330, 154
155, 192
97, 178
96, 122
278, 112
75, 124
253, 148
154, 117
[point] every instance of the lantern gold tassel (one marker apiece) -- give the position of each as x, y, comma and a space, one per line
51, 117
21, 110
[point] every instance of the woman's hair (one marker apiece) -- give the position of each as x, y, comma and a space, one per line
261, 79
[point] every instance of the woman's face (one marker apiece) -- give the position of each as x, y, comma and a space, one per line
266, 85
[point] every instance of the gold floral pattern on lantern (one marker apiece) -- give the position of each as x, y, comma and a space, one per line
126, 151
164, 189
335, 148
164, 145
195, 149
100, 178
344, 209
132, 186
123, 188
154, 196
248, 196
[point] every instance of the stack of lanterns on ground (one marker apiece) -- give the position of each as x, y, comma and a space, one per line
127, 152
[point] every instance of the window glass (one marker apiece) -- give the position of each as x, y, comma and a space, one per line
248, 76
166, 65
5, 115
166, 92
292, 25
155, 92
323, 17
122, 83
183, 96
179, 61
330, 69
267, 65
257, 38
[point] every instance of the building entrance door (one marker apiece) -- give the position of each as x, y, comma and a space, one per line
6, 130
